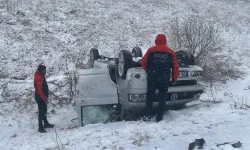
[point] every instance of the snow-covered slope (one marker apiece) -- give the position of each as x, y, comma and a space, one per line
34, 31
216, 123
51, 31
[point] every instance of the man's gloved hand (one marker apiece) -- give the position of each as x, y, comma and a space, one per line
173, 82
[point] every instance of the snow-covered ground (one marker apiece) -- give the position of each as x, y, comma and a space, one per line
216, 123
53, 31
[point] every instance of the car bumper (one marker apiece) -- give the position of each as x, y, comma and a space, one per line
194, 94
190, 88
138, 105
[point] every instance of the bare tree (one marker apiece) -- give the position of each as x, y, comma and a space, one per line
203, 40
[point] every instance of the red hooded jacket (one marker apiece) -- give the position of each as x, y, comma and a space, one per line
41, 87
160, 46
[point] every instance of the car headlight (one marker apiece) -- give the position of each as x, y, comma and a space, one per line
137, 97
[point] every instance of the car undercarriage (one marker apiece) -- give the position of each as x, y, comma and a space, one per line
112, 89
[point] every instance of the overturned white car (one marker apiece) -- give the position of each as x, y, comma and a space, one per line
121, 82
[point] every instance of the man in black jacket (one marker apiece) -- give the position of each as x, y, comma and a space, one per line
41, 97
159, 62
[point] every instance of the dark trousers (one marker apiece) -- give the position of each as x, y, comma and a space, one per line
42, 111
157, 82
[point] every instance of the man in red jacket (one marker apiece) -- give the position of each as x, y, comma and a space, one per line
41, 97
158, 63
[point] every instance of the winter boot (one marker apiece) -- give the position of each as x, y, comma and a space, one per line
149, 113
146, 118
48, 125
41, 128
159, 118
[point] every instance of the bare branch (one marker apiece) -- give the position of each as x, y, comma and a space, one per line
203, 40
60, 147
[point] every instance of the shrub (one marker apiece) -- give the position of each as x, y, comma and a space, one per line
203, 40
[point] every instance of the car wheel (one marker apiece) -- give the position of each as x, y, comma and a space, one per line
137, 52
124, 63
185, 57
93, 55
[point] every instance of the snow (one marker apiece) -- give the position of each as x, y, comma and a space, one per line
216, 123
60, 30
54, 34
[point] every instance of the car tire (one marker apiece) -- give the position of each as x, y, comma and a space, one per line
124, 63
137, 52
93, 55
186, 57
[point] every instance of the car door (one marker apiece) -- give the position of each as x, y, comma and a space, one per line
96, 87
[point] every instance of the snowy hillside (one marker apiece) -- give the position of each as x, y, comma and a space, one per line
49, 31
61, 32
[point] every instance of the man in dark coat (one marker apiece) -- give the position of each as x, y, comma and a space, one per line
159, 62
41, 97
